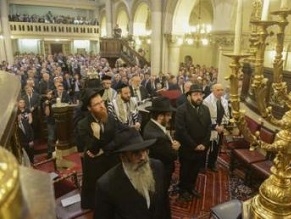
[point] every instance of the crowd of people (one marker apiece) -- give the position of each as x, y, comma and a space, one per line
128, 158
50, 18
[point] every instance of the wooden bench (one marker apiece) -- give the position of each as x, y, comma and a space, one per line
261, 170
253, 162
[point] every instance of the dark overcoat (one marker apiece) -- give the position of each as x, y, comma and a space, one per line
116, 198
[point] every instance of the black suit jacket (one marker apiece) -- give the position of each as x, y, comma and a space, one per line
192, 129
181, 99
143, 92
33, 102
68, 85
206, 91
116, 198
65, 97
152, 90
162, 149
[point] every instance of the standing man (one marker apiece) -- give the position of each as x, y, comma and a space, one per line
32, 102
50, 122
95, 134
135, 188
192, 130
109, 93
124, 108
60, 92
165, 149
183, 97
219, 112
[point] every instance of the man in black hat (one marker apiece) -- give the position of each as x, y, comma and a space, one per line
95, 133
135, 188
192, 130
165, 149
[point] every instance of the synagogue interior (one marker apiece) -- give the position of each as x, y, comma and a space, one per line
54, 53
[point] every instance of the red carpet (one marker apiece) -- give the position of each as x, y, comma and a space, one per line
214, 188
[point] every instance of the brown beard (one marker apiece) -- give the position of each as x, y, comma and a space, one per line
141, 176
102, 116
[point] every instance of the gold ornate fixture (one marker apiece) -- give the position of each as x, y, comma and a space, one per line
10, 194
274, 198
199, 33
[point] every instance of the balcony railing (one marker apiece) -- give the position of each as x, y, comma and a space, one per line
22, 29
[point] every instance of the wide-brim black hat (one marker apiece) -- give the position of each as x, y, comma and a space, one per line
120, 86
106, 77
194, 88
129, 139
161, 104
89, 93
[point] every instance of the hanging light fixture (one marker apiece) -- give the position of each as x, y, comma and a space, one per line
199, 33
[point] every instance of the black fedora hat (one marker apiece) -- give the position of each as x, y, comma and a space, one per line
120, 86
89, 93
106, 77
129, 139
195, 88
161, 104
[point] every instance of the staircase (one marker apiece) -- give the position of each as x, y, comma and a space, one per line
113, 49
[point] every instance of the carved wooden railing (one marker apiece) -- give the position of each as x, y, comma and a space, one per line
128, 52
55, 30
120, 48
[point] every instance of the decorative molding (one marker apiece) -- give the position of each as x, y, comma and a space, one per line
86, 4
226, 39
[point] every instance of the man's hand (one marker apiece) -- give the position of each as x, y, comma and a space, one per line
90, 154
137, 126
219, 129
200, 147
175, 145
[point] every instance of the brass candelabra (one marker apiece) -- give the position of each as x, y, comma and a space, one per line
274, 198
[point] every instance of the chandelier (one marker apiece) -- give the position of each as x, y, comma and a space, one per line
199, 33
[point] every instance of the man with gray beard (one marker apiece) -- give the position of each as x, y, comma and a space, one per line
135, 188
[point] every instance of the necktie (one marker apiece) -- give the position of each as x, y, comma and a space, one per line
29, 102
136, 94
197, 110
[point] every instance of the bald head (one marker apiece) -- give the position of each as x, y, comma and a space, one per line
187, 86
217, 90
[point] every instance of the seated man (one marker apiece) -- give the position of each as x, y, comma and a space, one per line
136, 187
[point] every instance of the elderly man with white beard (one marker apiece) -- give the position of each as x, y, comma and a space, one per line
135, 188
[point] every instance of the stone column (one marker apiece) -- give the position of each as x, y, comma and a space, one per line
224, 43
2, 52
64, 133
173, 54
109, 18
6, 31
130, 27
156, 42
